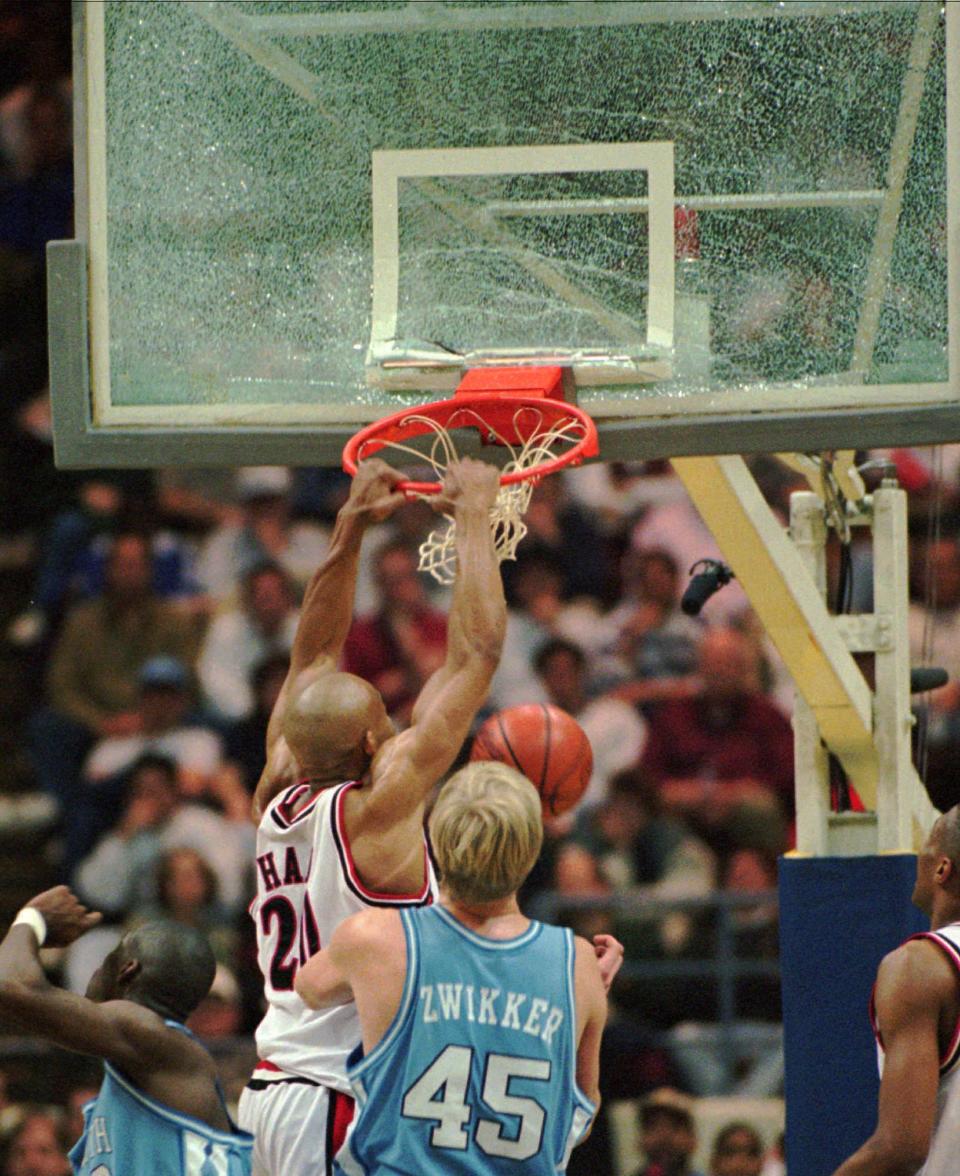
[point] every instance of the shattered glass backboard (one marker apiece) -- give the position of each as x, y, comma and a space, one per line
738, 222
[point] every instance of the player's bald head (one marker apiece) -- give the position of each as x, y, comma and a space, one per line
165, 966
177, 965
326, 722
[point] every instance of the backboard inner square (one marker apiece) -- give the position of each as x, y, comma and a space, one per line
512, 219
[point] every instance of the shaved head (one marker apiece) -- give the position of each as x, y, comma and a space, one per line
947, 834
937, 889
326, 723
165, 966
177, 965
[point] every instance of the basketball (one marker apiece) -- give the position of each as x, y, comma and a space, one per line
544, 743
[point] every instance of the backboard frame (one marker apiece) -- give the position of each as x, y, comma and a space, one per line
88, 434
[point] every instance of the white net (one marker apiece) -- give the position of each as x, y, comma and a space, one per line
438, 552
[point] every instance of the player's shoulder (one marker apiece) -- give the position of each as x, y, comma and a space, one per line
915, 952
370, 927
918, 967
297, 801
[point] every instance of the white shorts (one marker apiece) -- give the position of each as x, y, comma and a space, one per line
297, 1127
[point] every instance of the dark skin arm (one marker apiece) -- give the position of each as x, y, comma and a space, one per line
916, 999
162, 1062
327, 612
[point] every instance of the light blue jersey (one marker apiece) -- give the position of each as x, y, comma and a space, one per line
128, 1134
477, 1072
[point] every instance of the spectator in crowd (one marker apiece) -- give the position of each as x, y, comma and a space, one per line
164, 727
397, 648
266, 533
625, 843
38, 1147
246, 739
92, 680
775, 680
167, 729
753, 1066
34, 56
737, 1151
120, 875
649, 642
533, 607
631, 843
239, 638
934, 632
618, 493
727, 746
615, 730
538, 613
752, 869
37, 206
220, 1012
75, 549
675, 527
559, 527
194, 500
187, 892
934, 616
93, 674
668, 1135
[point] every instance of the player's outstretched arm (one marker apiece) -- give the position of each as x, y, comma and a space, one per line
131, 1037
913, 984
327, 609
412, 763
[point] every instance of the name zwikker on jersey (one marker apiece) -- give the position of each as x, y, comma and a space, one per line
306, 886
476, 1075
945, 1141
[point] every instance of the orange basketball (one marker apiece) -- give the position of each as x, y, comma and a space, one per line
544, 743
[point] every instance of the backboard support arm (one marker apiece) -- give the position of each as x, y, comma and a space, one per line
784, 576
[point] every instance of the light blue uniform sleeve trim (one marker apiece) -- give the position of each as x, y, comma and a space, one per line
406, 999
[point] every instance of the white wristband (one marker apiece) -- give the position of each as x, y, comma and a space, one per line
31, 917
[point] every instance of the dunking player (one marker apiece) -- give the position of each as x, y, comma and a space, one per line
481, 1029
343, 804
916, 1016
160, 1110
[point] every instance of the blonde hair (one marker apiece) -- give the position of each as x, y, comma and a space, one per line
486, 830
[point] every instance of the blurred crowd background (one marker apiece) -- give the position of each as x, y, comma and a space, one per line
145, 623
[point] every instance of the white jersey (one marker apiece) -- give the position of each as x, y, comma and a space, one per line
307, 885
945, 1141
